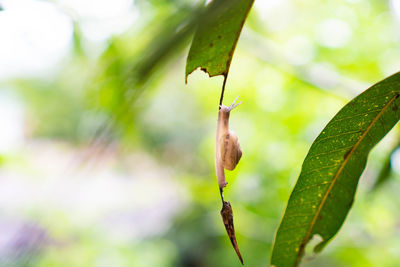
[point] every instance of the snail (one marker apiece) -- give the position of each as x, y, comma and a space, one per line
227, 156
227, 147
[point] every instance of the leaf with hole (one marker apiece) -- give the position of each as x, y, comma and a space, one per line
325, 190
216, 36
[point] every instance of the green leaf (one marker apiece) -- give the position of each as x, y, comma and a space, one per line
216, 36
330, 173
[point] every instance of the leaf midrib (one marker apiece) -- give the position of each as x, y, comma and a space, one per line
325, 197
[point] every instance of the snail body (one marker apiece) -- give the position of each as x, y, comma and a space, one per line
230, 150
227, 147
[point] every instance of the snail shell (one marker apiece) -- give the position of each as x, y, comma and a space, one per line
230, 150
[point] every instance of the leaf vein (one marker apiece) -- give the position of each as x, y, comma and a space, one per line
337, 135
311, 186
318, 169
329, 152
339, 171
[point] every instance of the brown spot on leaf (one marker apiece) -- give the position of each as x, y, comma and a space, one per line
347, 153
219, 36
211, 45
303, 245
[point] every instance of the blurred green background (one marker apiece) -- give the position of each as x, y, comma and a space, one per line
107, 157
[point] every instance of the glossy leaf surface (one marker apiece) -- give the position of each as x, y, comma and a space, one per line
330, 173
